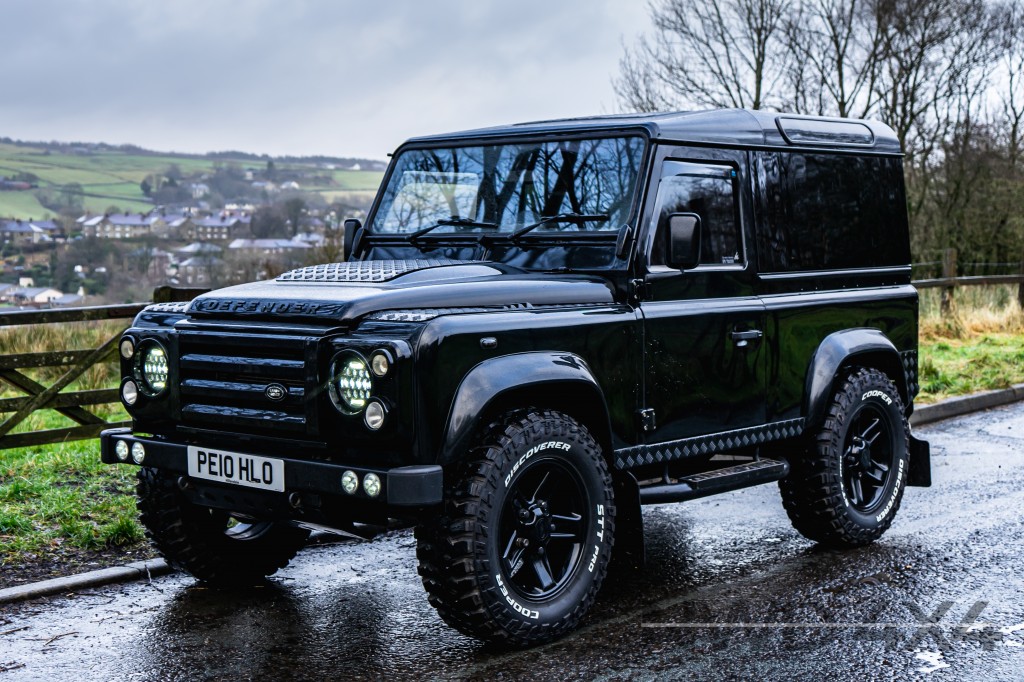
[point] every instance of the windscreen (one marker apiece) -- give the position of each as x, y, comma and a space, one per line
504, 187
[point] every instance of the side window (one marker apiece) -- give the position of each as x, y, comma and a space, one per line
707, 190
830, 211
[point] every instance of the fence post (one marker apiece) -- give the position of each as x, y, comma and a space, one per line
948, 272
1020, 288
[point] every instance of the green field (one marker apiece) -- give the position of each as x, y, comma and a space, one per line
112, 177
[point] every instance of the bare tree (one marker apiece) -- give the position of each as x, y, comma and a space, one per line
1012, 95
716, 53
837, 49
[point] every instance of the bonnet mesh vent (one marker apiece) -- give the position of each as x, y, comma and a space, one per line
364, 271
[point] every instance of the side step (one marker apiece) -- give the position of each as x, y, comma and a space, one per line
717, 481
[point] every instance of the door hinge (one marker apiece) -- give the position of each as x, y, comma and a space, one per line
638, 289
647, 422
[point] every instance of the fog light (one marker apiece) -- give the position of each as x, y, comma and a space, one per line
371, 484
138, 453
374, 416
129, 393
349, 482
121, 450
127, 348
380, 363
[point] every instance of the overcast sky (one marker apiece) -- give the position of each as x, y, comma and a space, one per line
335, 77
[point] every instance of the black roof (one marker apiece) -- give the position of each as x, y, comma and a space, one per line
729, 127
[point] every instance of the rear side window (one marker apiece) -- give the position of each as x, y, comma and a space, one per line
707, 190
830, 211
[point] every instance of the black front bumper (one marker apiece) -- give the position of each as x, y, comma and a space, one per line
405, 486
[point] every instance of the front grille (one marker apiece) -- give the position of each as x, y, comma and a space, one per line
224, 380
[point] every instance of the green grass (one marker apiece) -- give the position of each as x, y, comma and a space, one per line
951, 367
113, 178
361, 181
22, 205
977, 346
61, 495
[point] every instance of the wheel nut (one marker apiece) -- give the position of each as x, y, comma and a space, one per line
522, 542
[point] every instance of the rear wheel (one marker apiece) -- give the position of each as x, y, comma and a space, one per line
213, 545
523, 544
847, 489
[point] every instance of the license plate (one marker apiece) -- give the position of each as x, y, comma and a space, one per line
252, 471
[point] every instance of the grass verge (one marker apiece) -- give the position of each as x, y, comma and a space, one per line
60, 501
977, 346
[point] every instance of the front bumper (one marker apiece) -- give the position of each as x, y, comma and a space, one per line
405, 486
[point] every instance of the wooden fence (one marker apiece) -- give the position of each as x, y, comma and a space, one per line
72, 404
949, 281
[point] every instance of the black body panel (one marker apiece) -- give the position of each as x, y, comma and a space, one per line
803, 273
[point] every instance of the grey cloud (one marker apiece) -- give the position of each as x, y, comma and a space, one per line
305, 76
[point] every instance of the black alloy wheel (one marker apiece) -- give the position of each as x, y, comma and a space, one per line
543, 529
868, 458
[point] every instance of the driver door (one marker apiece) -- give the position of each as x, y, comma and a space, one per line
704, 359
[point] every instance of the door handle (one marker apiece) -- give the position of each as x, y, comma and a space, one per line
742, 338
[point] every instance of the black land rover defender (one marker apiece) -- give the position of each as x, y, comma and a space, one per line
541, 328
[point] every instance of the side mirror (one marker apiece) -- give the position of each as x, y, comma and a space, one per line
683, 240
351, 227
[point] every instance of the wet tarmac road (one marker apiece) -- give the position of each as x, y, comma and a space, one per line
730, 591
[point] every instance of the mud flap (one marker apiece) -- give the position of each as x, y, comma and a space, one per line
628, 553
920, 473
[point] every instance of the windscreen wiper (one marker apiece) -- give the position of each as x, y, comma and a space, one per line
560, 218
445, 222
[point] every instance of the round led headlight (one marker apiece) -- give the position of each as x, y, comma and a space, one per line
352, 383
151, 368
121, 450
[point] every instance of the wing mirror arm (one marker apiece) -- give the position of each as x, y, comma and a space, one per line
353, 237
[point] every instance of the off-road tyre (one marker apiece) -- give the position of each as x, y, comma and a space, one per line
820, 493
478, 575
202, 541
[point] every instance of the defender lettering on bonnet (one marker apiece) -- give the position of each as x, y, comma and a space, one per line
660, 290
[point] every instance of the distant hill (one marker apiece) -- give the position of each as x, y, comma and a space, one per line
47, 178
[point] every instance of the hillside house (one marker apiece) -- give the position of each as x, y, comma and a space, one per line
220, 227
134, 225
268, 247
22, 233
35, 296
200, 270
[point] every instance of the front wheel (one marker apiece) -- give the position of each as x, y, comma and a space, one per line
213, 545
523, 543
846, 490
